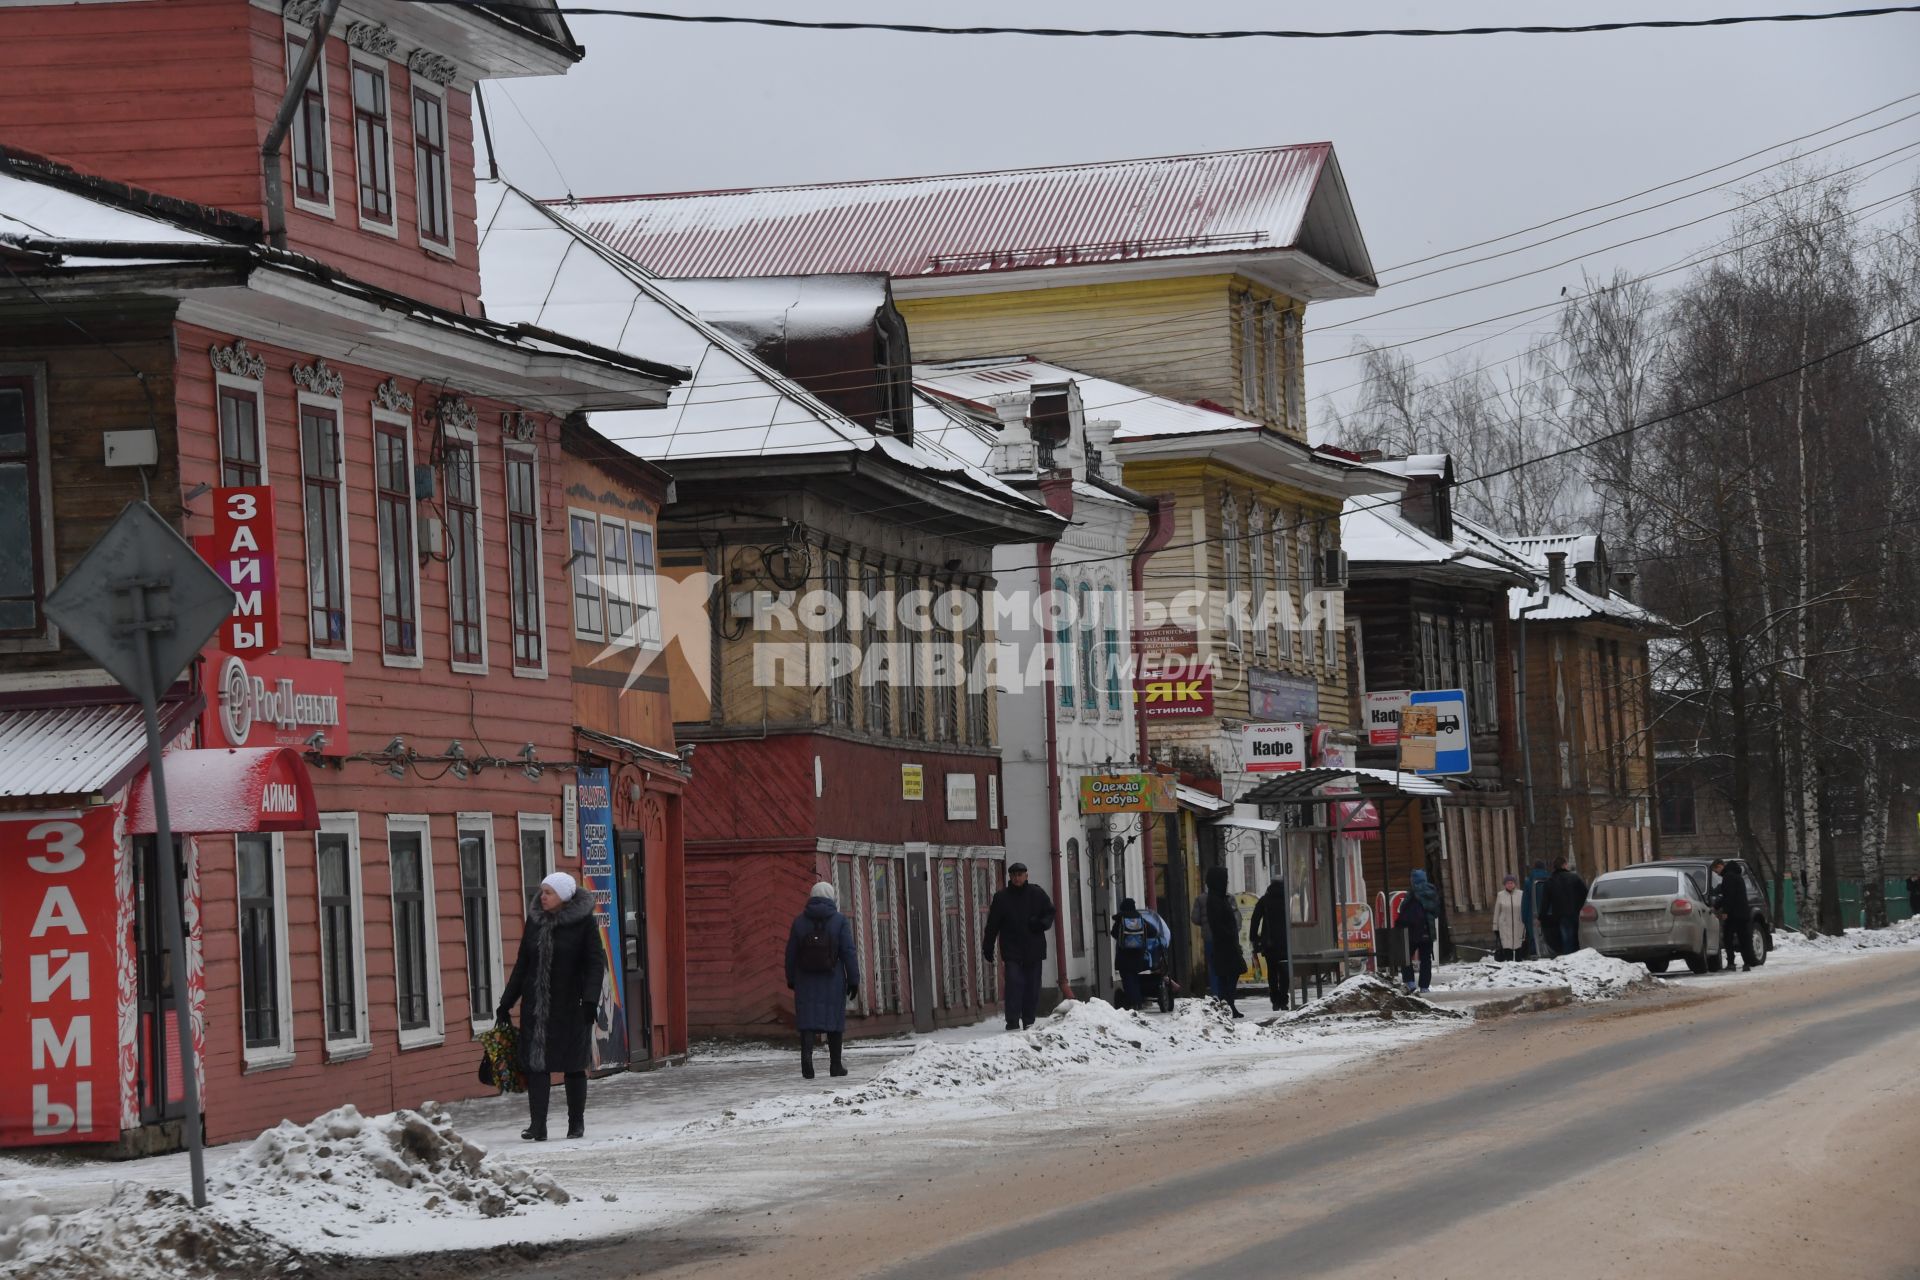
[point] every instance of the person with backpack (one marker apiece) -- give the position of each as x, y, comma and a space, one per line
1267, 932
1018, 920
1420, 920
823, 972
1132, 932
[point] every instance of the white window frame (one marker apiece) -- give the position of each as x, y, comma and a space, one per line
435, 1031
302, 399
523, 823
482, 1019
265, 1057
647, 589
532, 455
360, 1045
420, 85
305, 34
606, 596
48, 568
255, 387
599, 570
471, 439
1284, 582
418, 657
1257, 572
390, 228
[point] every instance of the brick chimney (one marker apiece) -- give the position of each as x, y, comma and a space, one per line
1557, 572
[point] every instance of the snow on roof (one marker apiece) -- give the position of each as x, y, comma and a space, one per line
1581, 548
755, 308
1259, 200
1574, 604
38, 211
1140, 414
1372, 530
536, 268
1414, 464
77, 750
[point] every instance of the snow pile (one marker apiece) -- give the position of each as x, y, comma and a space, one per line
1906, 933
350, 1170
1077, 1037
1591, 975
1368, 995
141, 1234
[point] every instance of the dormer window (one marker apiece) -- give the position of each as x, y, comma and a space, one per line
373, 145
432, 176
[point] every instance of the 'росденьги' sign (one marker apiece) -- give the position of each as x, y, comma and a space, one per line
278, 702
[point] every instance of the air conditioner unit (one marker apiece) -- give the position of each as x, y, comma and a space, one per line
1333, 570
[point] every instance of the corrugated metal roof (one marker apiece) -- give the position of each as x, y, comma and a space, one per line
960, 224
75, 750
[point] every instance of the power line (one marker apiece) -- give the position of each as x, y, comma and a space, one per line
927, 29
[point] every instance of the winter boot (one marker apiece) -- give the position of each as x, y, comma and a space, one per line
806, 1055
837, 1067
534, 1133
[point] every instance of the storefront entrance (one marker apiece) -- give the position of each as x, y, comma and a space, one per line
631, 851
162, 1094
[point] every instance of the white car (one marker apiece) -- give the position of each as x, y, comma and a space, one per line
1653, 915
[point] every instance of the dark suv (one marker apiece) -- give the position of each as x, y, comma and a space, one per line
1701, 870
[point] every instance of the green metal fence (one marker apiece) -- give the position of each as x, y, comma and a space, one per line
1852, 914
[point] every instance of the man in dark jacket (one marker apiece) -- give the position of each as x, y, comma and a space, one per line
1565, 894
1267, 933
823, 972
1019, 919
556, 980
1731, 904
1532, 895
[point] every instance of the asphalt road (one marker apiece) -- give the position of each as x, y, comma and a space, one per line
1726, 1127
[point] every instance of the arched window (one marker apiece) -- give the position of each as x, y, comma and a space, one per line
1063, 660
1089, 676
1110, 622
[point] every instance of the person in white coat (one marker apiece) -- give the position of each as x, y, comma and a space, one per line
1509, 922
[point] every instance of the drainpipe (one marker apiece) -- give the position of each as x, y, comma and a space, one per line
277, 132
1056, 490
1159, 533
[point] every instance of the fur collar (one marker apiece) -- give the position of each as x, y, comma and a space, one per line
574, 909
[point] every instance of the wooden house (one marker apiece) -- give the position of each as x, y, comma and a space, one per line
319, 368
826, 575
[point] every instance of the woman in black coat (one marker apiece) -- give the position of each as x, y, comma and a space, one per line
556, 981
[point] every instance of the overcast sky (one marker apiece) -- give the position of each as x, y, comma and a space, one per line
1443, 141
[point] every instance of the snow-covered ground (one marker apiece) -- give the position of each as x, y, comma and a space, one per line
1591, 975
721, 1134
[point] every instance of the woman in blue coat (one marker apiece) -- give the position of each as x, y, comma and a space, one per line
823, 972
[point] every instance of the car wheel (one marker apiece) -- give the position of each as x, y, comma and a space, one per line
1658, 966
1696, 961
1762, 944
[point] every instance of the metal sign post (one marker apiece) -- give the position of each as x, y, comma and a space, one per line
142, 604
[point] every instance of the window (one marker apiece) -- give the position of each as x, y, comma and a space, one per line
839, 684
373, 145
617, 575
983, 873
946, 704
240, 455
343, 979
979, 730
846, 885
1290, 361
536, 853
416, 950
1110, 642
266, 1003
1248, 883
886, 938
523, 562
1074, 912
1089, 676
878, 634
466, 602
1249, 358
953, 941
26, 505
327, 597
312, 152
1270, 348
1064, 663
646, 587
1284, 581
432, 178
481, 917
1486, 701
1257, 570
1429, 652
589, 620
1230, 551
913, 702
399, 570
